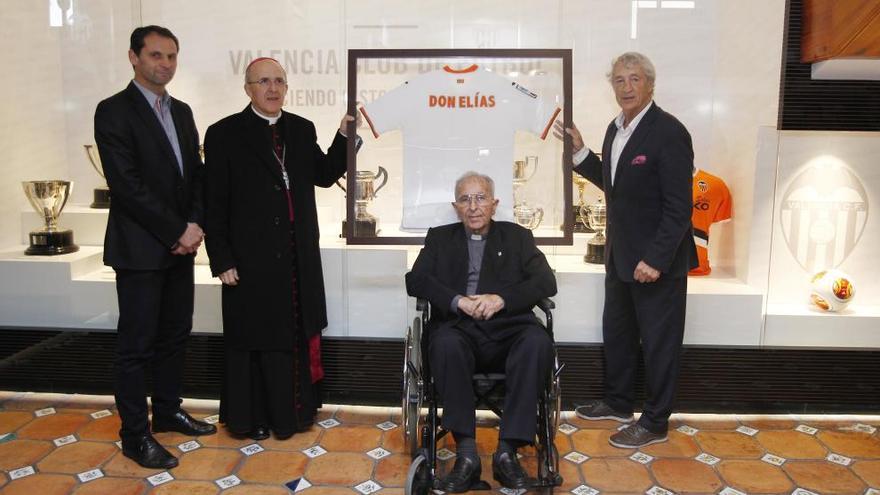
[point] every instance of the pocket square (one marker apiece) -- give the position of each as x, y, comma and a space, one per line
639, 160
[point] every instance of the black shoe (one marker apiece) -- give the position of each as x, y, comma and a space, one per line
182, 422
507, 471
147, 452
465, 472
259, 433
599, 409
635, 437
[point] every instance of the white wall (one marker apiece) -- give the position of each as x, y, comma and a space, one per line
718, 71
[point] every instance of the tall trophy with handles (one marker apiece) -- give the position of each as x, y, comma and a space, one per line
101, 195
365, 224
48, 198
595, 217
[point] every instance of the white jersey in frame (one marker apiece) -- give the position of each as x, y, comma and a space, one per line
454, 121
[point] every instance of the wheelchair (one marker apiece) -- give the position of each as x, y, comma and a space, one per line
422, 430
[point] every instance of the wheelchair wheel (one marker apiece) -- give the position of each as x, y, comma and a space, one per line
417, 478
555, 405
411, 403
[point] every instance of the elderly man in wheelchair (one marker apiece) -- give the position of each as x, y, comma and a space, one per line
482, 279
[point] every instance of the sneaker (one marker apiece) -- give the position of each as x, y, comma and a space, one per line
636, 436
598, 409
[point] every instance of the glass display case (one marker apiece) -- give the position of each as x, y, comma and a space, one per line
429, 116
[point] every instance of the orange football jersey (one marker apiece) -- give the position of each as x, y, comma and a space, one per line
712, 203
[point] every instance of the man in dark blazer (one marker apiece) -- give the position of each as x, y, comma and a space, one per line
482, 279
149, 149
646, 173
262, 166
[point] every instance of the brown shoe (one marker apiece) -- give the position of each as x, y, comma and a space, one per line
636, 436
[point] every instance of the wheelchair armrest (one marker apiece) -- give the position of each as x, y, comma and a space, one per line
421, 304
546, 304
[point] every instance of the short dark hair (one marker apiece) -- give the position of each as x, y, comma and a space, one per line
138, 35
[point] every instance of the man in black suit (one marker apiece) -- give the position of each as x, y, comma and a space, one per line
646, 174
149, 149
482, 279
262, 166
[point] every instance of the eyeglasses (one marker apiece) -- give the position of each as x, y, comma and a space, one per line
479, 198
264, 82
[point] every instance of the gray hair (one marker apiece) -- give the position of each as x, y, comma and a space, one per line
633, 58
471, 175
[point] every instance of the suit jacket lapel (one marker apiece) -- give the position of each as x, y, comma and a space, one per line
460, 257
184, 138
606, 157
257, 136
146, 113
635, 141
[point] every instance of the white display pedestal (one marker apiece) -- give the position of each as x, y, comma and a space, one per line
366, 296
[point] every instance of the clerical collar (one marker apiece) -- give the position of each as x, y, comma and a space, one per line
474, 236
272, 120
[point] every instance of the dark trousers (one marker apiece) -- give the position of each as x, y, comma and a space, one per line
155, 319
653, 313
526, 358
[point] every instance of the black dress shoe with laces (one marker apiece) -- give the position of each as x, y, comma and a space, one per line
507, 471
182, 422
464, 474
147, 452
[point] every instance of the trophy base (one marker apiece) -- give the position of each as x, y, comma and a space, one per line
595, 254
362, 228
100, 198
51, 243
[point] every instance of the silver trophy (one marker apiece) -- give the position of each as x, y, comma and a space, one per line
528, 216
101, 195
580, 223
523, 170
594, 216
365, 224
48, 198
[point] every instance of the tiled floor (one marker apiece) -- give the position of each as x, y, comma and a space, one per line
62, 444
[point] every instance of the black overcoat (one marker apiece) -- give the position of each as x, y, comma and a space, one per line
247, 226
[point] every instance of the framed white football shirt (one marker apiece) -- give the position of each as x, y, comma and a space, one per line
453, 121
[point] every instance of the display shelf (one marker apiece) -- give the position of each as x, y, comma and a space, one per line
858, 326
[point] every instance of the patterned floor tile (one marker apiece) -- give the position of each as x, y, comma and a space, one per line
77, 457
13, 420
594, 443
621, 475
391, 471
704, 421
103, 429
729, 444
220, 439
363, 415
122, 466
19, 453
571, 476
869, 471
678, 445
297, 442
327, 469
42, 484
768, 422
178, 487
207, 464
824, 477
355, 438
112, 486
791, 444
751, 476
685, 475
851, 444
274, 467
263, 490
53, 426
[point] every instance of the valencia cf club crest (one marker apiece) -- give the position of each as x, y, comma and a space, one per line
823, 214
703, 186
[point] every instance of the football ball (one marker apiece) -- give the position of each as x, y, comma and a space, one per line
831, 290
